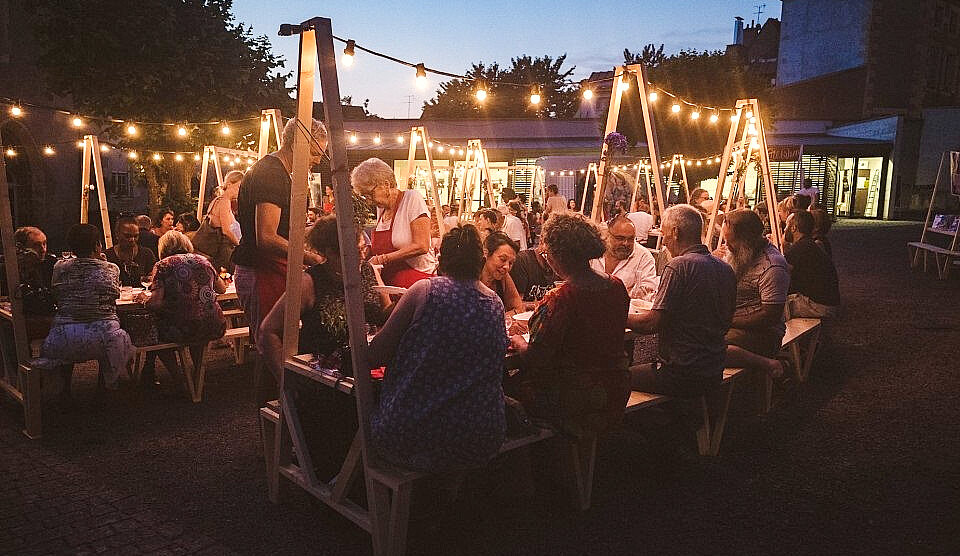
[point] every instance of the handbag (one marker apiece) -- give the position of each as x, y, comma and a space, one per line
210, 241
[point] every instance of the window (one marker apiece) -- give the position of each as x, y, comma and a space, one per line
120, 184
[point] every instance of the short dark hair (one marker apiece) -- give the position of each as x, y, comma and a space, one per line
124, 221
189, 221
323, 235
23, 234
746, 226
803, 221
801, 202
552, 188
515, 206
508, 194
163, 213
572, 240
83, 239
461, 254
496, 239
821, 222
493, 215
315, 210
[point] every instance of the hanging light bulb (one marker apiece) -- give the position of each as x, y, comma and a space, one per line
182, 131
421, 76
131, 129
481, 93
749, 114
233, 164
132, 155
699, 163
226, 158
451, 150
178, 157
104, 148
196, 157
225, 129
653, 96
16, 112
416, 137
80, 144
48, 150
714, 118
459, 152
265, 123
689, 163
348, 53
157, 157
733, 118
377, 139
11, 153
717, 159
76, 121
624, 85
675, 108
695, 115
399, 138
582, 171
353, 138
535, 96
587, 94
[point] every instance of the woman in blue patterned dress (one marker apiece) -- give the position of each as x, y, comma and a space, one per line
441, 406
184, 299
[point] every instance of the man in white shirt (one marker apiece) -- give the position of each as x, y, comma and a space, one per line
642, 219
507, 194
626, 259
513, 226
809, 190
451, 220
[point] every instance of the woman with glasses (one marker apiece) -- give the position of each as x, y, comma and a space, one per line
401, 238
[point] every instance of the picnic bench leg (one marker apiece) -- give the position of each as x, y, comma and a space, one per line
181, 355
797, 358
200, 369
30, 382
267, 431
279, 449
764, 391
400, 519
812, 345
292, 416
378, 495
349, 472
703, 433
580, 457
726, 392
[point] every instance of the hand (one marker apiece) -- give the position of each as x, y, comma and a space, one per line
518, 344
379, 259
141, 297
720, 252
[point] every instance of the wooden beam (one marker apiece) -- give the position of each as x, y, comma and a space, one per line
683, 174
769, 186
204, 166
613, 117
722, 176
434, 190
411, 158
653, 142
85, 183
101, 192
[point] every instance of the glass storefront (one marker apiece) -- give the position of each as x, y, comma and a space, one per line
860, 187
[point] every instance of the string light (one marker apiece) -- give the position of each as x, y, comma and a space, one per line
353, 138
11, 153
653, 96
182, 131
48, 150
695, 115
131, 130
717, 160
714, 117
132, 155
265, 123
77, 121
348, 53
225, 129
178, 157
399, 138
535, 96
624, 85
675, 108
16, 112
80, 144
587, 94
421, 76
196, 157
104, 148
376, 139
481, 93
157, 157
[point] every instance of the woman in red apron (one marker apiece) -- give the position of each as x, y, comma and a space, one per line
403, 218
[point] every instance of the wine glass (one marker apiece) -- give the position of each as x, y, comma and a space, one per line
146, 280
66, 254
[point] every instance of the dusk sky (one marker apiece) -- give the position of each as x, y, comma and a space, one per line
450, 35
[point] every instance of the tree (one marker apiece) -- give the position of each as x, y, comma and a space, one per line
651, 56
508, 91
160, 61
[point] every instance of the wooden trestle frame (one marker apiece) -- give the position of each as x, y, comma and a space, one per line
22, 382
91, 161
639, 74
748, 113
477, 166
591, 171
419, 134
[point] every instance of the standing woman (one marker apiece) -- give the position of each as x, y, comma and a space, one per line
401, 239
220, 232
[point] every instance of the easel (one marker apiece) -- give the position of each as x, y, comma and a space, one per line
91, 153
213, 152
418, 134
747, 110
477, 167
683, 174
269, 119
537, 184
23, 382
639, 73
591, 171
641, 167
943, 257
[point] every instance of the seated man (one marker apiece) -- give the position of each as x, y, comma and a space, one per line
531, 273
691, 311
814, 287
36, 270
641, 218
626, 259
753, 340
134, 261
487, 221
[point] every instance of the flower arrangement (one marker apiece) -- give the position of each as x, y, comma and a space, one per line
616, 142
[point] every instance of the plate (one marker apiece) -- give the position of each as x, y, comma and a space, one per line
523, 317
390, 290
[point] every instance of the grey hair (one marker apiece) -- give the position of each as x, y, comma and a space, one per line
317, 130
174, 243
370, 173
232, 175
686, 220
144, 221
22, 235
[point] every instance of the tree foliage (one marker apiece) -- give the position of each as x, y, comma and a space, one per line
160, 61
508, 91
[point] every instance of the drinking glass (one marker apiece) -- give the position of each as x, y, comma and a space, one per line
66, 254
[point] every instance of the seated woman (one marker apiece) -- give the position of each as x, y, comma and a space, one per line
501, 253
184, 299
322, 312
85, 325
573, 372
441, 406
401, 239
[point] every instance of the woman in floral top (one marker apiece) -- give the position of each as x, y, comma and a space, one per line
184, 299
574, 370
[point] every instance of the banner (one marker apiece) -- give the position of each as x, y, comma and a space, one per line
784, 153
955, 173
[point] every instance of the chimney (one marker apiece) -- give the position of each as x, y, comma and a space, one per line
738, 30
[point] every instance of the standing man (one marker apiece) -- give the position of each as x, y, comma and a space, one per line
691, 312
263, 207
626, 259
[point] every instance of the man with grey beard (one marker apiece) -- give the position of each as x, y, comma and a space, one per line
626, 259
763, 279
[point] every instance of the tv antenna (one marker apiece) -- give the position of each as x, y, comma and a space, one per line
409, 104
760, 8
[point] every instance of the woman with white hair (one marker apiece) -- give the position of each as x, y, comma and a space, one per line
184, 299
401, 239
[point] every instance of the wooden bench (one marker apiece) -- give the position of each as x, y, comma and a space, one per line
708, 437
195, 374
943, 257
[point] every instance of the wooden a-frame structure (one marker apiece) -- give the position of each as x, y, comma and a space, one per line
630, 73
591, 171
477, 166
943, 256
270, 120
747, 115
92, 164
419, 134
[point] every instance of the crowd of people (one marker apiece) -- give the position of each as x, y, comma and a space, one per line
447, 343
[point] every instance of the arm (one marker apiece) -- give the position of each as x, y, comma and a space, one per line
267, 223
270, 333
513, 302
647, 272
420, 232
222, 217
768, 315
219, 285
384, 344
645, 322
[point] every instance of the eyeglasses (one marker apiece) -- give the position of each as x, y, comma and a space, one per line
622, 239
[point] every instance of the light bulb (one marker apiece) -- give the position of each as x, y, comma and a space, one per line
182, 131
689, 163
178, 157
451, 150
717, 159
421, 76
225, 129
233, 164
749, 113
460, 152
399, 138
587, 94
535, 98
226, 158
131, 129
265, 124
714, 118
156, 156
733, 118
16, 112
653, 96
675, 108
699, 163
11, 152
48, 150
481, 94
353, 138
624, 85
582, 171
376, 139
132, 155
104, 148
76, 121
348, 53
80, 144
196, 157
695, 115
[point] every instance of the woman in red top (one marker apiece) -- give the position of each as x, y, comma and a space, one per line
574, 369
401, 240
